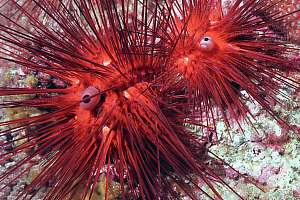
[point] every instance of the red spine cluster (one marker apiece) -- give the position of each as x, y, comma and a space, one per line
137, 73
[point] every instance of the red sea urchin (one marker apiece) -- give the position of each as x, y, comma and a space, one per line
217, 54
124, 110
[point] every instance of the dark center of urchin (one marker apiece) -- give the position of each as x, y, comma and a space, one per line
86, 98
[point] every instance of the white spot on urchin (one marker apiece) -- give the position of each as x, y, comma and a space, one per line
207, 44
186, 60
106, 62
77, 81
126, 95
105, 130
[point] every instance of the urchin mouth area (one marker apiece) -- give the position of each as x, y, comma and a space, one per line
86, 99
208, 44
90, 98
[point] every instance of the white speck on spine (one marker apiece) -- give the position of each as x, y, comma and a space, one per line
126, 95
